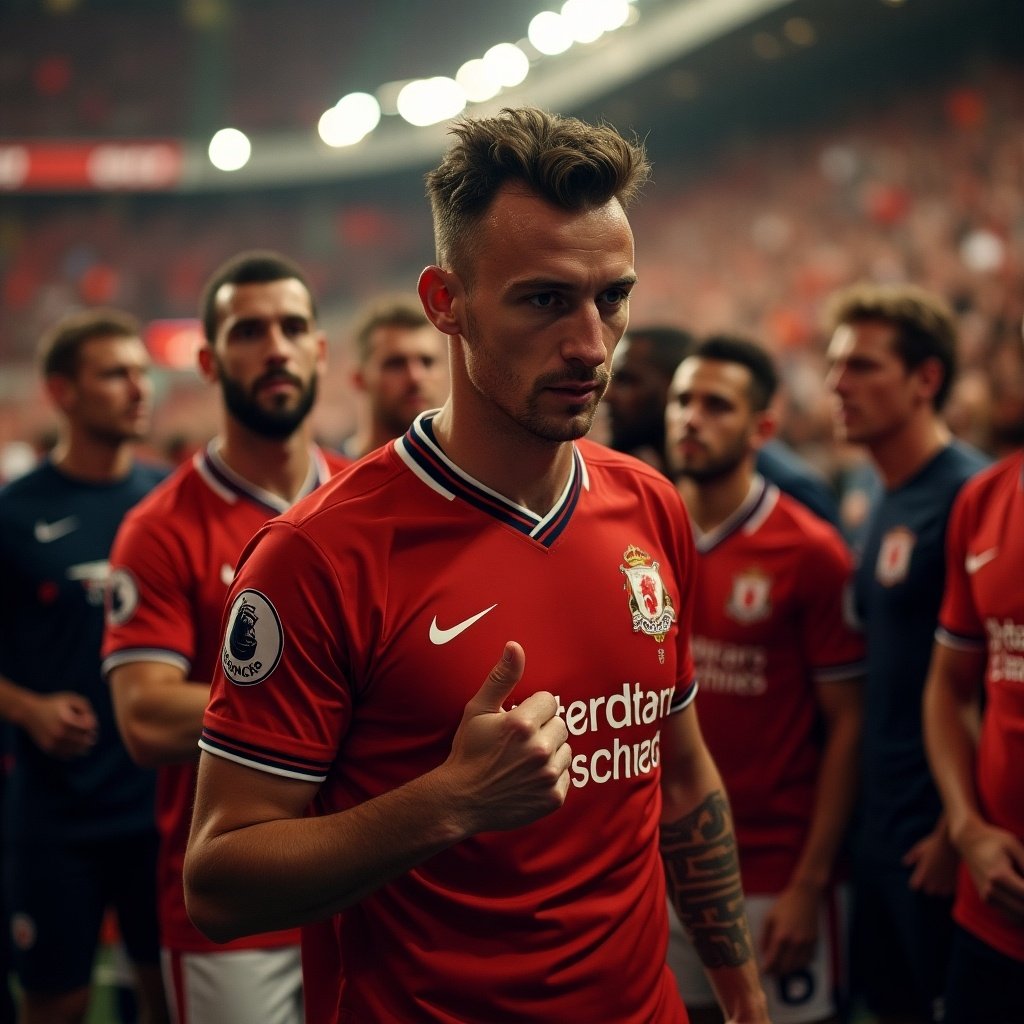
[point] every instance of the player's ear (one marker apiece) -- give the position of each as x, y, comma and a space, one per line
207, 363
61, 391
930, 374
765, 427
440, 292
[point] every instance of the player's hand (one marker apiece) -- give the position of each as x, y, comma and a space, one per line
933, 861
62, 725
509, 768
995, 859
790, 930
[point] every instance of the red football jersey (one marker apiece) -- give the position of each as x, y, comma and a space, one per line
359, 626
770, 623
171, 566
983, 609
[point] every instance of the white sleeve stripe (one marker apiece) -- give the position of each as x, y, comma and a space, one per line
260, 766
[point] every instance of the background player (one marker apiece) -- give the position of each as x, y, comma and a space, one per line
173, 563
779, 668
402, 371
893, 356
642, 370
980, 648
445, 825
78, 825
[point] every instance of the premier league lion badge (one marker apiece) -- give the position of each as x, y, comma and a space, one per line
253, 641
651, 607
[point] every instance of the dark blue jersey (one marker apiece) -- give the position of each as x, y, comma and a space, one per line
780, 465
898, 589
55, 538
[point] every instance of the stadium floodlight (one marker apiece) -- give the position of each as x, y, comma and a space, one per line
479, 82
428, 101
509, 63
350, 120
549, 34
229, 149
583, 21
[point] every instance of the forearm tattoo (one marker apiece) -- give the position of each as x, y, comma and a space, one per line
702, 873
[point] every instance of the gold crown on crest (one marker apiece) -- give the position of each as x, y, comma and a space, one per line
634, 556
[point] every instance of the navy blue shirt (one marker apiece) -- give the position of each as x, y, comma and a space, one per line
55, 538
780, 465
898, 590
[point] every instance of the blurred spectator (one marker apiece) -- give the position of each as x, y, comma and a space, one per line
780, 670
642, 369
174, 560
401, 371
893, 358
979, 650
79, 828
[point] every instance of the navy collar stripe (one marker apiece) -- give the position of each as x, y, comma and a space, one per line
421, 448
426, 457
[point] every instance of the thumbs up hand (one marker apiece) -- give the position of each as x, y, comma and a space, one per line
509, 767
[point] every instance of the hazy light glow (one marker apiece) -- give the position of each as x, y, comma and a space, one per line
549, 33
350, 120
431, 100
509, 64
478, 81
583, 20
230, 149
615, 14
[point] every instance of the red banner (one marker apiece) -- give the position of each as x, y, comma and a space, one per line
89, 166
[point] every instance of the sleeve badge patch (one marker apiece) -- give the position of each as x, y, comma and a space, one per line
254, 639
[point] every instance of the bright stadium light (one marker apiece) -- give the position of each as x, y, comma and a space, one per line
549, 34
350, 120
431, 100
230, 149
479, 82
582, 20
510, 65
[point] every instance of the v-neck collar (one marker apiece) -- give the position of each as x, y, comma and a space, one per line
421, 452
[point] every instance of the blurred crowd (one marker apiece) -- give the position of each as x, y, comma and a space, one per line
749, 238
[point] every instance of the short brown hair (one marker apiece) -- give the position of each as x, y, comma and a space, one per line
60, 348
386, 311
575, 165
925, 324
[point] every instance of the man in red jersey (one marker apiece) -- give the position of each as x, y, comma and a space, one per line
779, 668
477, 866
172, 564
976, 756
401, 371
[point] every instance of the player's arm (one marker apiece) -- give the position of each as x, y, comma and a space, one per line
159, 712
61, 724
994, 856
791, 928
256, 863
702, 871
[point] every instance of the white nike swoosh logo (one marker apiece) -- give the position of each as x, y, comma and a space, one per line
440, 636
972, 563
47, 532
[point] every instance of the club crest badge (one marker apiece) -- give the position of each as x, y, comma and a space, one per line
894, 556
122, 596
254, 639
750, 598
650, 605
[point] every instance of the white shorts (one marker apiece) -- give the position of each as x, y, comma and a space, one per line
247, 986
799, 998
